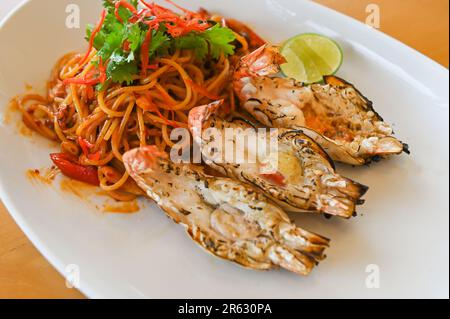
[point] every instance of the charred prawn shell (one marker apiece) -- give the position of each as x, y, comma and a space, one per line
225, 217
335, 114
295, 171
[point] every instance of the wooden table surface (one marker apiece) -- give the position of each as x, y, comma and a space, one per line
422, 24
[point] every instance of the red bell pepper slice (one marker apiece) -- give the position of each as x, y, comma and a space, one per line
86, 174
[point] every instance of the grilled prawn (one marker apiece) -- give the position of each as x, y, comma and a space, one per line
225, 217
286, 165
335, 114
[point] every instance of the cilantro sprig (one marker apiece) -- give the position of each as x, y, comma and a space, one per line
213, 41
120, 40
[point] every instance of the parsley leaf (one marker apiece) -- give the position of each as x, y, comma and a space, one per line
219, 39
99, 39
134, 36
108, 5
110, 37
195, 42
119, 43
122, 68
213, 41
160, 44
113, 41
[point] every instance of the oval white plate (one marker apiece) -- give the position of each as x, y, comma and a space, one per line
402, 233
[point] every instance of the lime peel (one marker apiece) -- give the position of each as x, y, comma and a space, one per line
311, 56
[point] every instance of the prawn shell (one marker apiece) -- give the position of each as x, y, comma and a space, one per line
279, 102
328, 192
260, 236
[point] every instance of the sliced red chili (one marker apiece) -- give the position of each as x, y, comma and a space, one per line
85, 145
95, 156
88, 80
154, 66
93, 35
186, 11
124, 4
81, 81
145, 51
126, 46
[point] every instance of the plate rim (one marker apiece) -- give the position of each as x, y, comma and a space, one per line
85, 288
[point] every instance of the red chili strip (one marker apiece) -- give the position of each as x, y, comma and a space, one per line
181, 8
145, 51
93, 35
85, 145
124, 4
82, 81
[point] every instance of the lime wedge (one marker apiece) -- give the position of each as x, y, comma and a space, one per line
311, 56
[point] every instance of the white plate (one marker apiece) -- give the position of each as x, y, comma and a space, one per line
403, 229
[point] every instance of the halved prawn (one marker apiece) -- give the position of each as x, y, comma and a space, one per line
225, 217
335, 114
295, 171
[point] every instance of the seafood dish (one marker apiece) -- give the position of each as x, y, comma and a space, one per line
305, 179
196, 112
334, 113
225, 217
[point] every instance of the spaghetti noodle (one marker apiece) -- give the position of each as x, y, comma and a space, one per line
96, 126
